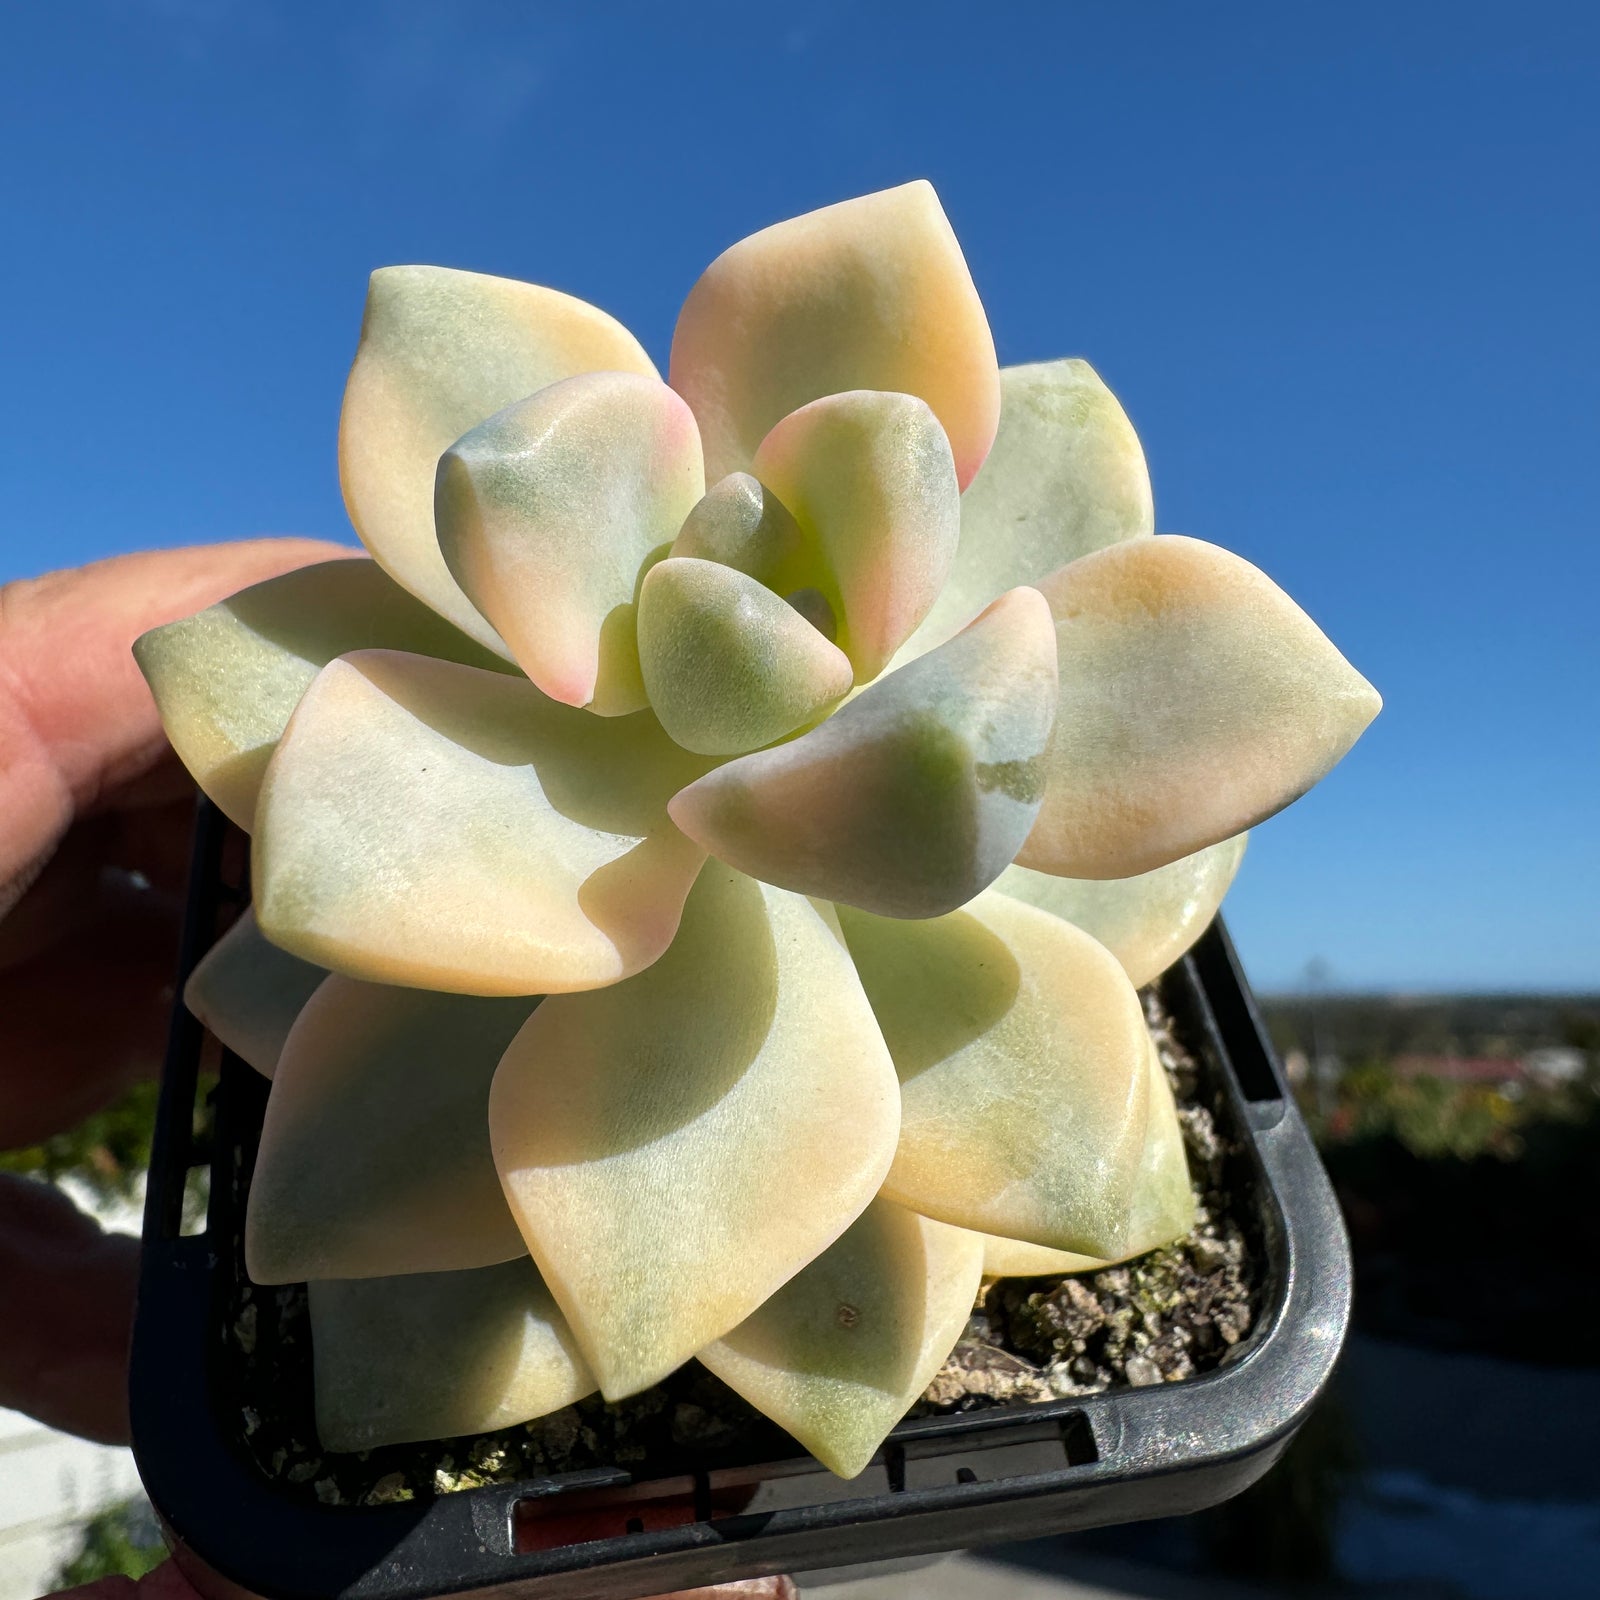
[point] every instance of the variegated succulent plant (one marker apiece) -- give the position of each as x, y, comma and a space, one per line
824, 734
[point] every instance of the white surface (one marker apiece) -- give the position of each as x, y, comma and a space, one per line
49, 1482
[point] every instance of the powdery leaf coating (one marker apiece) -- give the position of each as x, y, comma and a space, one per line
1146, 922
548, 514
741, 524
841, 1352
441, 350
871, 483
429, 824
1022, 1056
374, 1156
1196, 700
678, 1146
872, 293
912, 797
1066, 477
248, 992
728, 665
436, 1354
1163, 1200
226, 679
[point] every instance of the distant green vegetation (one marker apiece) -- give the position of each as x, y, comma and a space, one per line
110, 1151
122, 1541
1434, 1118
1381, 1027
1472, 1196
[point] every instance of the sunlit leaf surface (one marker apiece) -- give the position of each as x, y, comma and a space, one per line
1196, 699
226, 679
678, 1146
441, 350
728, 666
433, 825
1022, 1055
1066, 476
871, 293
1146, 922
1163, 1206
872, 486
550, 512
839, 1354
912, 797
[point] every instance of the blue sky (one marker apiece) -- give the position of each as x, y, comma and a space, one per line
1338, 261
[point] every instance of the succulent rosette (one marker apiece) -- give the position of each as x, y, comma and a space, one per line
712, 847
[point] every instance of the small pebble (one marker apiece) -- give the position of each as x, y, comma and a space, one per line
1142, 1371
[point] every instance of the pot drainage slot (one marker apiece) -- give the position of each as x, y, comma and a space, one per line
1021, 1452
742, 1498
581, 1516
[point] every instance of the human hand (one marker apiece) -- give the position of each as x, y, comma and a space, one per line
94, 822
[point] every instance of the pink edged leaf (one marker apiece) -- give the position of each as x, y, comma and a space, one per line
912, 797
430, 824
1196, 700
869, 479
441, 350
550, 513
871, 293
1066, 477
678, 1146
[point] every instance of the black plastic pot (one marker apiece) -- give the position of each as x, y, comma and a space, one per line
940, 1483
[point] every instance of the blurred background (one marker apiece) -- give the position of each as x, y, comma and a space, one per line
1339, 264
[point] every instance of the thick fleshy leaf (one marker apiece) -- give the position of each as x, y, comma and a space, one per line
871, 293
1066, 476
550, 512
913, 796
1022, 1056
440, 351
226, 679
374, 1154
1196, 699
742, 524
1163, 1200
434, 1354
1163, 1206
869, 479
1146, 922
1013, 1258
248, 992
728, 665
677, 1147
433, 825
841, 1352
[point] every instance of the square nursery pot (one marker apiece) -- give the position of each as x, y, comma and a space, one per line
214, 1361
